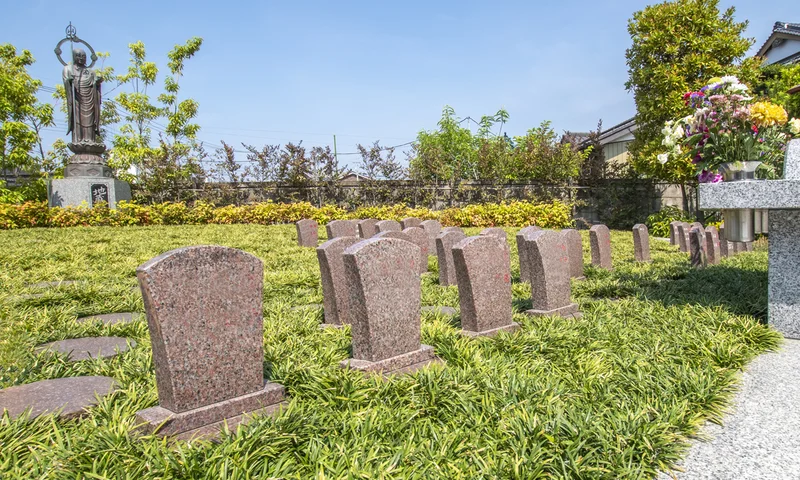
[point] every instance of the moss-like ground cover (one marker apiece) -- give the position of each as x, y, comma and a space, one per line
612, 395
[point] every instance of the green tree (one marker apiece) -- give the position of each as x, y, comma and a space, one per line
775, 82
540, 156
677, 47
22, 116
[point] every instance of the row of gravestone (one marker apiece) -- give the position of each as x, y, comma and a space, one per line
706, 246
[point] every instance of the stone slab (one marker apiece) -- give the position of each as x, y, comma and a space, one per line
444, 254
69, 397
387, 226
771, 194
433, 228
112, 318
403, 363
550, 282
76, 191
510, 328
574, 244
600, 242
335, 297
410, 222
341, 228
496, 232
641, 243
783, 279
87, 348
418, 237
214, 431
523, 255
366, 227
307, 233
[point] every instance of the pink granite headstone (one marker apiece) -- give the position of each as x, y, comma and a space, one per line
388, 226
307, 233
203, 307
495, 232
409, 222
550, 287
335, 298
341, 228
683, 236
384, 287
524, 258
408, 238
600, 242
444, 254
432, 229
419, 238
712, 246
641, 243
673, 232
483, 269
366, 227
697, 253
574, 243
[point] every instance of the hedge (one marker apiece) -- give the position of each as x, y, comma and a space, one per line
512, 214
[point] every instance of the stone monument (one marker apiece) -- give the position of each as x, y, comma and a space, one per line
641, 243
87, 179
600, 242
335, 299
550, 287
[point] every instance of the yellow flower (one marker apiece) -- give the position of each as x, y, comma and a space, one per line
766, 114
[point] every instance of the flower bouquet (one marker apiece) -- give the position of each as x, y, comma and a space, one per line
727, 130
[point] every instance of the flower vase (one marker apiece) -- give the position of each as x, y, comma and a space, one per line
740, 223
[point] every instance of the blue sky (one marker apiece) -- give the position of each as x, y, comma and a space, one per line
274, 72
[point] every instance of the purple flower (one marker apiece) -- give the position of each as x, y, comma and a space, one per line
709, 177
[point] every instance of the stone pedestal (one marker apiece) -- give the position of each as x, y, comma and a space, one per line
88, 191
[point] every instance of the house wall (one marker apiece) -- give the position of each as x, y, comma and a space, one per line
616, 152
777, 53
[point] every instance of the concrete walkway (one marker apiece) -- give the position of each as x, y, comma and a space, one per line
760, 438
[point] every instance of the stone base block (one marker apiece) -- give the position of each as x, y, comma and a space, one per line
88, 191
405, 363
207, 420
514, 326
570, 310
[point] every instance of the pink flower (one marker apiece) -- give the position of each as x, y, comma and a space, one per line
709, 177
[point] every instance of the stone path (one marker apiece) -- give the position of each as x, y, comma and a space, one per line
760, 437
70, 397
87, 348
112, 318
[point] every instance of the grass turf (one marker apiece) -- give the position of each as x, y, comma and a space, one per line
612, 395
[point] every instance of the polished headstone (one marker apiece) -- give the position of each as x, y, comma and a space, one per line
712, 245
387, 226
432, 229
112, 318
420, 239
550, 286
483, 270
697, 253
444, 254
495, 232
600, 242
341, 228
68, 397
522, 253
204, 313
641, 243
683, 236
335, 296
409, 222
87, 348
366, 227
673, 232
574, 243
307, 233
384, 286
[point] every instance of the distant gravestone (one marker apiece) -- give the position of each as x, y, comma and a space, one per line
600, 241
444, 254
483, 270
574, 244
335, 298
712, 245
87, 348
641, 243
384, 288
550, 287
204, 314
408, 238
683, 236
432, 228
409, 222
495, 232
387, 226
673, 232
696, 242
67, 397
724, 246
524, 261
307, 233
366, 228
341, 228
419, 238
452, 229
722, 232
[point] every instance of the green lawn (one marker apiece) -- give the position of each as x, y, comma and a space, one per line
612, 395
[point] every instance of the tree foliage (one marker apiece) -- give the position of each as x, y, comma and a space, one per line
775, 81
676, 47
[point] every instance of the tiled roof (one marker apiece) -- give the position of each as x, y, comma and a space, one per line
780, 28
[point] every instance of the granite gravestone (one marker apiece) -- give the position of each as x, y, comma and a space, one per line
366, 228
87, 179
574, 243
452, 229
641, 243
384, 287
341, 228
335, 297
387, 226
444, 254
307, 231
432, 228
522, 253
600, 241
712, 245
683, 237
405, 236
419, 238
673, 232
495, 232
483, 269
409, 222
550, 287
203, 307
697, 241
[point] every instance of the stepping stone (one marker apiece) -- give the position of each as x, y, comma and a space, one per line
437, 310
88, 347
70, 397
54, 284
112, 318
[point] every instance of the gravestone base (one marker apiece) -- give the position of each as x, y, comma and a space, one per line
206, 419
88, 191
400, 364
570, 310
513, 327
